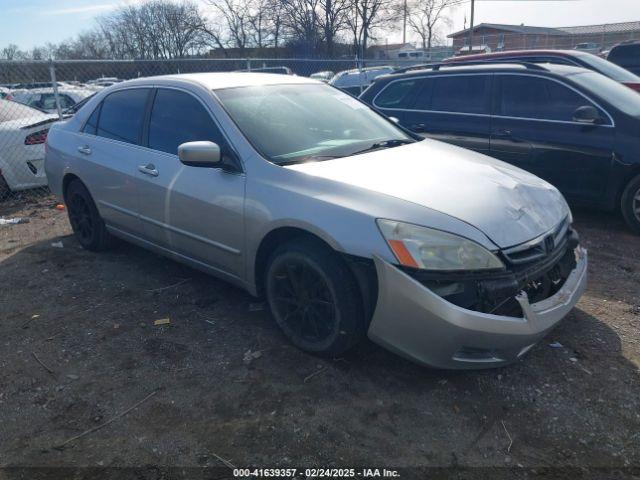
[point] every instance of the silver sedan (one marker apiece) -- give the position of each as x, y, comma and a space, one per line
349, 225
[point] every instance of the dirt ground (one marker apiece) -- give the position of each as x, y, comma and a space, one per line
229, 387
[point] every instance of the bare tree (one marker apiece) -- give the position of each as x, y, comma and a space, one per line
366, 17
333, 20
11, 52
425, 17
234, 18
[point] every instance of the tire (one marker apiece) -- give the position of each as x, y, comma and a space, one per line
86, 222
630, 204
314, 298
5, 191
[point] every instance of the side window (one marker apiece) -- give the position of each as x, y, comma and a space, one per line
396, 95
539, 98
122, 115
91, 126
461, 93
423, 95
177, 117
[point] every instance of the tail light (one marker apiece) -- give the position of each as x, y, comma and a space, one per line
36, 138
633, 86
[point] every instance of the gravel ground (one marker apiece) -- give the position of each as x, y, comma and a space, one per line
79, 346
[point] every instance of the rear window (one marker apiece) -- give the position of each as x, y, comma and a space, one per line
625, 54
15, 111
122, 115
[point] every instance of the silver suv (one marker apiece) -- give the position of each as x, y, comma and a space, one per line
346, 223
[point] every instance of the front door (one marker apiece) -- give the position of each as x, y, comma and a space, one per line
196, 212
533, 128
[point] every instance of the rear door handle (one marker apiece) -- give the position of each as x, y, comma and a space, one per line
148, 169
419, 127
85, 150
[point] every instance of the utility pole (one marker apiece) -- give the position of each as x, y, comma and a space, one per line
471, 28
404, 23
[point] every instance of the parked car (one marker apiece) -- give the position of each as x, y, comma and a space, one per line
23, 131
346, 223
561, 57
627, 55
590, 47
44, 98
4, 93
324, 76
573, 127
356, 80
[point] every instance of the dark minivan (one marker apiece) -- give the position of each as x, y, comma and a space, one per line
573, 127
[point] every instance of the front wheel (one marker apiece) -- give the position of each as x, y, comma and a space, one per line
630, 204
314, 298
86, 222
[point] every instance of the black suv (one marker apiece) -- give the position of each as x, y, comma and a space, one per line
627, 55
575, 128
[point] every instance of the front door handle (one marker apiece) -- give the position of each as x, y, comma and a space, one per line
85, 150
148, 169
419, 127
503, 133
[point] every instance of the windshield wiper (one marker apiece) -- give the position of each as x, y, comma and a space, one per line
309, 158
393, 142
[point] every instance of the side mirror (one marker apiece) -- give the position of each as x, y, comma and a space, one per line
587, 114
200, 154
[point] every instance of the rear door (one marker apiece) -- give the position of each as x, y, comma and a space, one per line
196, 212
533, 128
454, 109
110, 143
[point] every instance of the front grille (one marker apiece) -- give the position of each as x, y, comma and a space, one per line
539, 247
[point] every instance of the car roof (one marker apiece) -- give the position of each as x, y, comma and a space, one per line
450, 68
517, 53
220, 80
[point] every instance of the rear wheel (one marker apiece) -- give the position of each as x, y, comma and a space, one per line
86, 222
630, 204
314, 298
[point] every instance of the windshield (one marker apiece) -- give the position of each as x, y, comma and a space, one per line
621, 97
610, 69
296, 123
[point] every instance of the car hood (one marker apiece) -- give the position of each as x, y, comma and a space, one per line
506, 203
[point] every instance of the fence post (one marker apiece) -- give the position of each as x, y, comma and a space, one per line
54, 84
248, 64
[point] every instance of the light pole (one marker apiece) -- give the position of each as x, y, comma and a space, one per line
471, 28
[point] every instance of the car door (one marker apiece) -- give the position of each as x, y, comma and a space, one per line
196, 212
534, 128
110, 142
454, 109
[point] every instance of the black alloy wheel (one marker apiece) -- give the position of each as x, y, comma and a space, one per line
314, 298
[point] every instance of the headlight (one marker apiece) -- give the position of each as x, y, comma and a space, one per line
421, 247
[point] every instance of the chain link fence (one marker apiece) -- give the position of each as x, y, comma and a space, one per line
38, 93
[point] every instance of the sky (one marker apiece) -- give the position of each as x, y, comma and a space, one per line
29, 23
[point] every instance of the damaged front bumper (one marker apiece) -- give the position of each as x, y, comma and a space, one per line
413, 321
